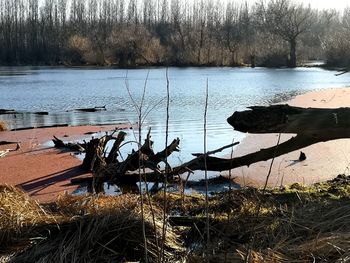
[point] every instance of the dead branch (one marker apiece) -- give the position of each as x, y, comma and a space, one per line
70, 146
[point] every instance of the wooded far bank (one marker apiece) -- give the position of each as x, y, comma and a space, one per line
129, 33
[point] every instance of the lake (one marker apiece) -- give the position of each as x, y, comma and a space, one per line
60, 90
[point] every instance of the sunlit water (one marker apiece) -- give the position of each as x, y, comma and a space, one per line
59, 91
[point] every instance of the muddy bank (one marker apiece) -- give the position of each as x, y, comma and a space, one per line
39, 169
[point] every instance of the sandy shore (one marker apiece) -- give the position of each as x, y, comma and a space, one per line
37, 167
324, 160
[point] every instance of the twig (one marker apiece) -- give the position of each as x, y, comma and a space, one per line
270, 168
150, 109
206, 172
144, 91
216, 151
166, 161
230, 171
138, 109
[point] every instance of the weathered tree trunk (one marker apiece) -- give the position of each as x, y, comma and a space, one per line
322, 124
293, 54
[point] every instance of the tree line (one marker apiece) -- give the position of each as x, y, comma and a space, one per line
130, 33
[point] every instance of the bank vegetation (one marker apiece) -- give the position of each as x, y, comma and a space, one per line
129, 33
292, 224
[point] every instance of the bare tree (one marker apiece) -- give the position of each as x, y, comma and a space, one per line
286, 20
232, 30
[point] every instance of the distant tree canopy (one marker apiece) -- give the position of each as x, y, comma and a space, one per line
129, 33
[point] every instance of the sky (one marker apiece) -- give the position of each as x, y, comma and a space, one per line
326, 4
323, 4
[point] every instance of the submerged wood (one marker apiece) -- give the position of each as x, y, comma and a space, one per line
41, 113
40, 127
94, 109
11, 111
7, 111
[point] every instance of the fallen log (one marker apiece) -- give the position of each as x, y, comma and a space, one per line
7, 111
327, 124
40, 127
94, 109
77, 147
310, 126
41, 113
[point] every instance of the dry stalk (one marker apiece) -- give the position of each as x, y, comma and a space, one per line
207, 226
138, 109
167, 169
251, 244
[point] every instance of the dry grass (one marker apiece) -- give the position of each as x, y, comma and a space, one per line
19, 214
297, 224
80, 229
3, 126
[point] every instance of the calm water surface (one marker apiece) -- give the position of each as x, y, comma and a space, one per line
59, 91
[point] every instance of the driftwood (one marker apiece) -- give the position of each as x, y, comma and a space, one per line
5, 152
144, 158
40, 127
11, 111
310, 126
41, 113
7, 111
7, 143
108, 168
94, 109
70, 146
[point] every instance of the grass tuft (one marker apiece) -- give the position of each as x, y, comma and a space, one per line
79, 229
3, 126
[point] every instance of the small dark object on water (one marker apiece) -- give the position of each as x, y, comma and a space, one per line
41, 113
302, 156
99, 108
6, 111
40, 127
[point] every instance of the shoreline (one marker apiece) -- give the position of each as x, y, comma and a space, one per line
45, 172
38, 168
303, 65
324, 160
